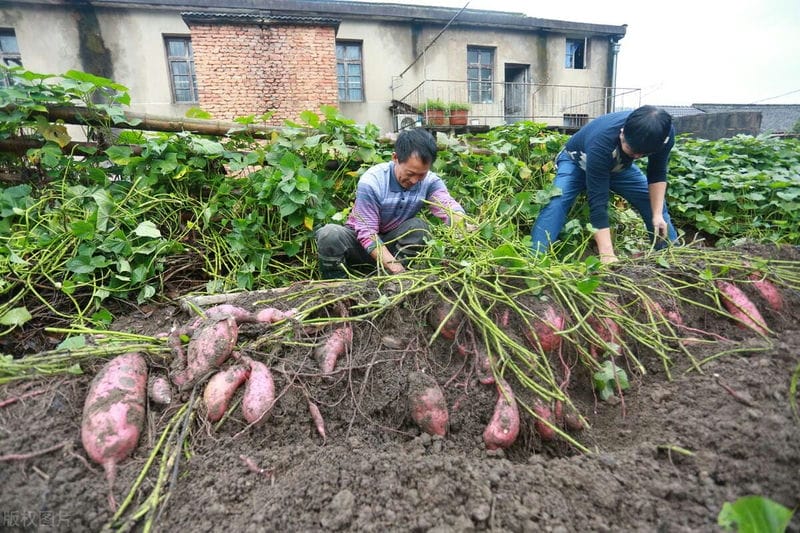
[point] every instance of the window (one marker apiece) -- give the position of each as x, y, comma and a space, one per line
9, 55
181, 69
576, 54
349, 72
480, 74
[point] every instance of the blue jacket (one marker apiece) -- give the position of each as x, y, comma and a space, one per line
598, 151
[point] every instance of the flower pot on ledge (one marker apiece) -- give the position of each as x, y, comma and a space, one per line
458, 117
435, 117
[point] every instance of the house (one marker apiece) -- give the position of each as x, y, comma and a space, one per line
378, 63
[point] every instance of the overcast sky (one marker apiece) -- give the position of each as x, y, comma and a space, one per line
681, 52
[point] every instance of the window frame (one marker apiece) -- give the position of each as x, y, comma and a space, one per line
6, 57
480, 90
343, 87
581, 49
189, 61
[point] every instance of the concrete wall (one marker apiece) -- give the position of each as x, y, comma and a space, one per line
49, 42
714, 126
390, 48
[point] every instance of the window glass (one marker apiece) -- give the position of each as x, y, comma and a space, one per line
350, 72
181, 69
480, 74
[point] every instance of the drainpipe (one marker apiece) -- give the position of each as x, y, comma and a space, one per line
615, 46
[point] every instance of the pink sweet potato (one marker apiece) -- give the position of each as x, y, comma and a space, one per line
222, 311
427, 404
768, 291
270, 315
319, 422
438, 316
741, 307
608, 331
210, 346
113, 413
503, 428
544, 332
544, 416
336, 345
670, 315
259, 392
221, 388
159, 391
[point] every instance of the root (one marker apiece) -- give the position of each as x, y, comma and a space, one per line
31, 455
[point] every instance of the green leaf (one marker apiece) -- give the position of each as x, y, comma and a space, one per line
119, 155
75, 370
147, 229
72, 343
103, 316
310, 118
15, 317
207, 147
588, 285
82, 229
196, 112
754, 514
507, 256
606, 379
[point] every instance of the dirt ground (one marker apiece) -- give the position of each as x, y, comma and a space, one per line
665, 459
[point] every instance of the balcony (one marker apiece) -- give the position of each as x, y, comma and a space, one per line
562, 107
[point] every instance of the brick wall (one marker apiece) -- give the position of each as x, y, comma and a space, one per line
250, 70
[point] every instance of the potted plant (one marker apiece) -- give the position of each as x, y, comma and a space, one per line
458, 113
435, 113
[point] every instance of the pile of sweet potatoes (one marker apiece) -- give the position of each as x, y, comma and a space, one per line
114, 408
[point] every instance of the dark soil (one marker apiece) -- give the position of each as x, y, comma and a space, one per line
665, 458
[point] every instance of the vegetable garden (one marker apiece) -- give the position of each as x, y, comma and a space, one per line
484, 389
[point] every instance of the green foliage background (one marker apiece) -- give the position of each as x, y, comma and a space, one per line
138, 212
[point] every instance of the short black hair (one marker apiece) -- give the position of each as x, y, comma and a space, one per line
647, 129
417, 141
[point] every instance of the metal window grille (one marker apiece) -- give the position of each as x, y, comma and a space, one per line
350, 72
480, 74
181, 69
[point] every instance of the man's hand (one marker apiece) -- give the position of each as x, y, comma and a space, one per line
394, 267
660, 226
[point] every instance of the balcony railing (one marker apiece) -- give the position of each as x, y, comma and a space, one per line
493, 104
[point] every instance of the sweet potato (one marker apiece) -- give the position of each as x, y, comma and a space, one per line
222, 311
221, 388
438, 316
573, 421
503, 428
544, 332
259, 392
159, 391
672, 315
113, 413
544, 414
270, 315
210, 346
336, 345
427, 404
741, 307
319, 422
608, 331
768, 291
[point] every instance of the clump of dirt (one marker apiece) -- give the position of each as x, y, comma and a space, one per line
665, 456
